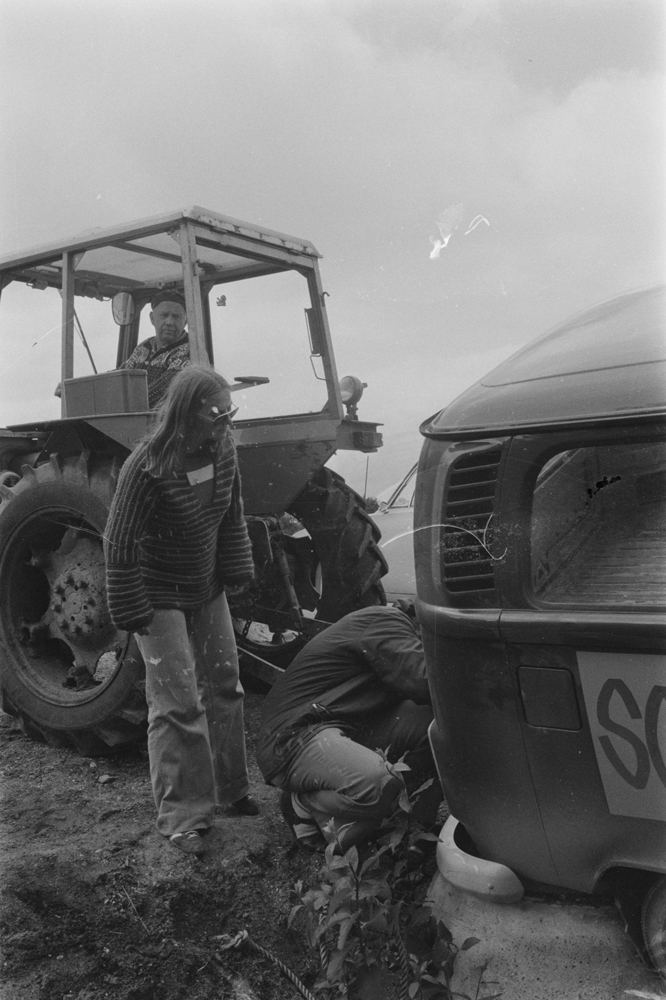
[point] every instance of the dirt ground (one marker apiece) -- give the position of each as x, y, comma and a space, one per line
96, 904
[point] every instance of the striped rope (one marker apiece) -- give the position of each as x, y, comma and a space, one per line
227, 942
403, 984
324, 954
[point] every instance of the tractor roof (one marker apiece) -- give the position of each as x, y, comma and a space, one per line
605, 364
144, 255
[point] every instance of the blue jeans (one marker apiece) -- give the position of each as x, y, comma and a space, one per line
196, 734
339, 776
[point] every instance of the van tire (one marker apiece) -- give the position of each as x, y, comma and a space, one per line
653, 923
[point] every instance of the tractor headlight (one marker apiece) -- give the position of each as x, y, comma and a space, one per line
351, 389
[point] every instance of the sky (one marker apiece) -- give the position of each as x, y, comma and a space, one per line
354, 124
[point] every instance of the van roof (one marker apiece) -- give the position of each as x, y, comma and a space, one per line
605, 364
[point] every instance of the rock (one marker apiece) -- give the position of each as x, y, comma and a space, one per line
104, 779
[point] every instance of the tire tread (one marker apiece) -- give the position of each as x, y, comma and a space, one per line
123, 722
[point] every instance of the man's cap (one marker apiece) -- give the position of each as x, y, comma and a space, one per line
167, 295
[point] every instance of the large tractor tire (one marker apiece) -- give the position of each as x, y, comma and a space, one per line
66, 673
346, 543
346, 568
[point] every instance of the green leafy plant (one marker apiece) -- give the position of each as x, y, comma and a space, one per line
370, 920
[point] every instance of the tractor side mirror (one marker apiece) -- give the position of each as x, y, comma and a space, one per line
122, 306
315, 332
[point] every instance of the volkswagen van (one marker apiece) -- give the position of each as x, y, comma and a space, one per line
540, 548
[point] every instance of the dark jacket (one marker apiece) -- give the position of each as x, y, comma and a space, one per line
362, 665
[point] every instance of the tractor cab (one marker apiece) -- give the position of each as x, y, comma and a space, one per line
255, 302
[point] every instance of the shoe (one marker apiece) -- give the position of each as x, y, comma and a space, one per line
303, 828
189, 842
247, 806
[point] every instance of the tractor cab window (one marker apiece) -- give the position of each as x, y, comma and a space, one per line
30, 369
598, 532
259, 327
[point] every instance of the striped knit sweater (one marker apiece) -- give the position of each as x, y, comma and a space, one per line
164, 549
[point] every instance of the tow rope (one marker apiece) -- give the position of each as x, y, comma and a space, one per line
242, 938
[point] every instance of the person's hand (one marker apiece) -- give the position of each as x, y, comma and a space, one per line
247, 591
58, 390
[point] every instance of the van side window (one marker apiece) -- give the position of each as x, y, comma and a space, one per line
598, 531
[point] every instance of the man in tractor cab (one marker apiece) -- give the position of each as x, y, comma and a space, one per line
165, 354
351, 704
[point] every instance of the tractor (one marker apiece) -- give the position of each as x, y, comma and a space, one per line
66, 673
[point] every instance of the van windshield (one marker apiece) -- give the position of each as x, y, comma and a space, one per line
598, 529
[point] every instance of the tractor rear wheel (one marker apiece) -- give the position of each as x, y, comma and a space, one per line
346, 543
68, 675
346, 568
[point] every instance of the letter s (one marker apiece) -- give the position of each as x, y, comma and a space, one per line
640, 779
657, 695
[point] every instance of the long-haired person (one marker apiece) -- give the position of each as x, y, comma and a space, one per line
175, 537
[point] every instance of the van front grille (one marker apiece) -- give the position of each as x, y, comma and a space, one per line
466, 564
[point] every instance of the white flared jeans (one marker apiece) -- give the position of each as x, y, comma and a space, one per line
196, 733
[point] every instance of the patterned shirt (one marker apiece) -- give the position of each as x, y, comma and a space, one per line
161, 364
164, 549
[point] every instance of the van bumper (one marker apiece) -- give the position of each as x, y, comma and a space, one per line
483, 879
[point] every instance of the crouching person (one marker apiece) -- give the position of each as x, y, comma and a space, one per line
356, 688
